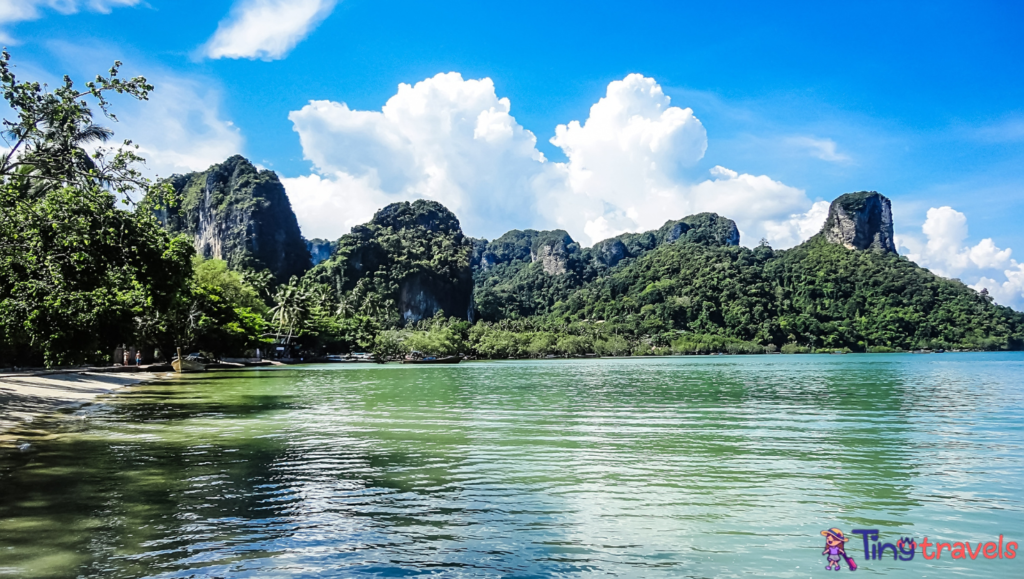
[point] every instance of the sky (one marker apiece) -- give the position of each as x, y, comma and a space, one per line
595, 117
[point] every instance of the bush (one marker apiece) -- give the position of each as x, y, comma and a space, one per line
389, 344
574, 345
795, 349
702, 344
489, 342
612, 346
439, 342
542, 344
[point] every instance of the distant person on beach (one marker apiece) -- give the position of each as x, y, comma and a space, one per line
138, 357
125, 357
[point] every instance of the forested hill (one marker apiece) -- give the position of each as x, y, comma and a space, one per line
817, 295
408, 263
524, 273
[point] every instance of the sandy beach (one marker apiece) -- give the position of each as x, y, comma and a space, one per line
25, 397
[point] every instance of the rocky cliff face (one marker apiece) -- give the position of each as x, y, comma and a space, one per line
610, 252
515, 245
673, 230
710, 229
861, 221
411, 255
552, 249
240, 214
522, 273
557, 252
703, 228
320, 249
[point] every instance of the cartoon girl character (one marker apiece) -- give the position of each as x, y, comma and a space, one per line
836, 550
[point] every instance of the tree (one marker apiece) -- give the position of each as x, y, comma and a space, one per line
289, 309
389, 344
45, 143
76, 272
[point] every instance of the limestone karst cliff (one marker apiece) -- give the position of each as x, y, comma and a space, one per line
841, 289
240, 214
861, 221
549, 247
552, 249
703, 228
413, 256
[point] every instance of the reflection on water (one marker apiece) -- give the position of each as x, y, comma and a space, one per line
693, 467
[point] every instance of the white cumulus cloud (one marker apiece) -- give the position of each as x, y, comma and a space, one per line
329, 206
12, 11
631, 166
944, 251
986, 255
1009, 292
798, 227
630, 169
446, 138
266, 29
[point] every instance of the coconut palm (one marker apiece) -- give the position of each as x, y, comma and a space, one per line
289, 309
345, 309
55, 152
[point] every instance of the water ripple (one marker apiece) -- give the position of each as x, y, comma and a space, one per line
695, 467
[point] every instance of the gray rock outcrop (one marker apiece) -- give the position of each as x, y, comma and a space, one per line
610, 252
552, 249
861, 221
675, 231
425, 273
709, 229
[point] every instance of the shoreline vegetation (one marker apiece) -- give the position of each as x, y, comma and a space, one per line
95, 258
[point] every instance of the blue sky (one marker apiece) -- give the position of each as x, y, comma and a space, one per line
923, 102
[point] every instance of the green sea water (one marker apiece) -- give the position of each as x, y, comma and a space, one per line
671, 467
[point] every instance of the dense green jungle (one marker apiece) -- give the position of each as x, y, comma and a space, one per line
93, 256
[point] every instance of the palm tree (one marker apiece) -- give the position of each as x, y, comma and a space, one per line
57, 153
289, 309
345, 309
372, 306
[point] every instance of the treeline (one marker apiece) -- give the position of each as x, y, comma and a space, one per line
78, 274
537, 338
